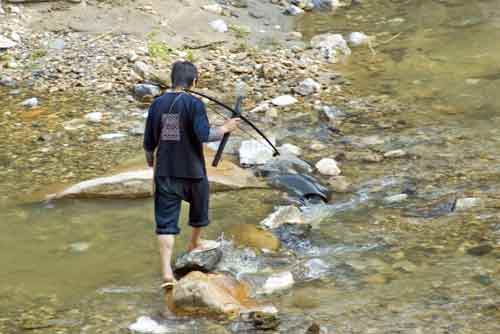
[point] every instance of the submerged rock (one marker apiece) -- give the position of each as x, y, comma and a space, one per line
439, 207
210, 294
396, 198
213, 8
283, 215
94, 117
293, 10
339, 184
480, 250
311, 270
205, 261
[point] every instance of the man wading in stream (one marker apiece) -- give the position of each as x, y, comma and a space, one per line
176, 127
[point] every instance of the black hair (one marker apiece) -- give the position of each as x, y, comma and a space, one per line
183, 75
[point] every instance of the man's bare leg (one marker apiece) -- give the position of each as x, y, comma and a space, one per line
195, 238
166, 243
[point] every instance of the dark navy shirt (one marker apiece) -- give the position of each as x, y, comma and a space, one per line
177, 130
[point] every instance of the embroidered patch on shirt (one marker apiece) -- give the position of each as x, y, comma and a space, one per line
170, 130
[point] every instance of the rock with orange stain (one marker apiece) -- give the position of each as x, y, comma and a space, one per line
211, 294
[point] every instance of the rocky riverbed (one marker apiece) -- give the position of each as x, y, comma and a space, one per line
377, 208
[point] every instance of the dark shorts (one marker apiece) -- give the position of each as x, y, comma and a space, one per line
169, 194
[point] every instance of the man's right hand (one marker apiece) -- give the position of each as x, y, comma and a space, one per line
230, 125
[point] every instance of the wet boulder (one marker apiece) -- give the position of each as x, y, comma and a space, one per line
204, 261
211, 294
304, 187
296, 237
284, 164
283, 215
327, 5
254, 152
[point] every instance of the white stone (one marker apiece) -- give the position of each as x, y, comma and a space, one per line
94, 117
213, 8
147, 325
395, 154
219, 26
294, 10
318, 147
330, 45
396, 198
328, 166
283, 215
6, 43
254, 152
358, 38
264, 107
290, 148
112, 136
284, 100
14, 10
278, 282
30, 103
467, 203
79, 246
308, 87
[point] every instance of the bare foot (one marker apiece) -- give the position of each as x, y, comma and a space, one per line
192, 246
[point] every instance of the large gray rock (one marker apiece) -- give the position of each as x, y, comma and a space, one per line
146, 91
8, 82
284, 164
253, 152
328, 166
293, 10
205, 261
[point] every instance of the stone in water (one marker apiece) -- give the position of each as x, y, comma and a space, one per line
219, 26
328, 166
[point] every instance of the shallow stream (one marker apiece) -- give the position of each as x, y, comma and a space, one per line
429, 86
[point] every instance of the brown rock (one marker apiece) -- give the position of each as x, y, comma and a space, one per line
211, 294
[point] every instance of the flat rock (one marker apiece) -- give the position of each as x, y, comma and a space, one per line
94, 117
213, 8
112, 136
138, 183
283, 215
146, 91
396, 198
395, 154
204, 261
30, 103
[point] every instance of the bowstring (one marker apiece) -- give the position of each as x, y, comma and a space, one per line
242, 129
